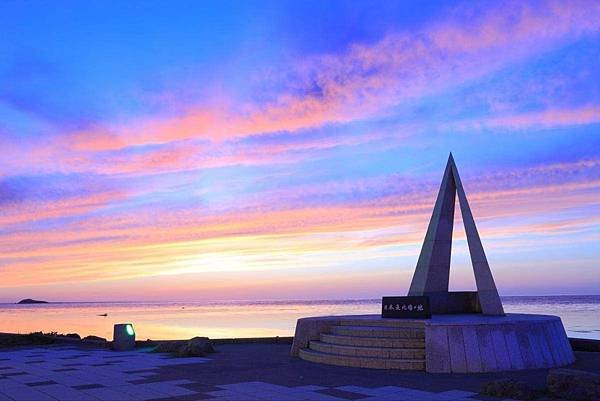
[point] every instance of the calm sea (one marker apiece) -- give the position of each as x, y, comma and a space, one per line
178, 320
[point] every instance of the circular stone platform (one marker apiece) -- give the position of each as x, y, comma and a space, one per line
442, 344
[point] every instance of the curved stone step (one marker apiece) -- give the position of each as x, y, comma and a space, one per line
373, 341
382, 332
361, 362
369, 321
389, 353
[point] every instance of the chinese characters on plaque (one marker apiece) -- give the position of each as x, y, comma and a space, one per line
405, 307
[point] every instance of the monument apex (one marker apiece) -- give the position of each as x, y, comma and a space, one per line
432, 273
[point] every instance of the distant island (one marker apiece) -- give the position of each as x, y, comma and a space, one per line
31, 301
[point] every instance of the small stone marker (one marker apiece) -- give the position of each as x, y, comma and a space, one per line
123, 337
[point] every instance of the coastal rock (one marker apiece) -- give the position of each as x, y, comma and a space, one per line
31, 301
11, 340
507, 388
574, 384
169, 346
197, 346
584, 344
94, 338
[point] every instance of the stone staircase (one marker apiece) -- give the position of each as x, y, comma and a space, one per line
383, 344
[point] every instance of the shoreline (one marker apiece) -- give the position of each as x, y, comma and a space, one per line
578, 314
578, 344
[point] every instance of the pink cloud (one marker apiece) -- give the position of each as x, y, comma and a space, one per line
145, 244
368, 79
548, 118
362, 82
142, 242
551, 118
34, 210
516, 23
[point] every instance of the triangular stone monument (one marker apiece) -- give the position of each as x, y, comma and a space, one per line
432, 273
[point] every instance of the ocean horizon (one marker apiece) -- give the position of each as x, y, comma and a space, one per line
580, 315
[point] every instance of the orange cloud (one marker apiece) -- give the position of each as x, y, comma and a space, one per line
34, 210
150, 242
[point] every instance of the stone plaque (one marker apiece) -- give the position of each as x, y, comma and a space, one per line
406, 307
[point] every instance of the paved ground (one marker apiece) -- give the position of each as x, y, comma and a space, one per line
235, 373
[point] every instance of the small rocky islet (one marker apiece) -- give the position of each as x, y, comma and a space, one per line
27, 301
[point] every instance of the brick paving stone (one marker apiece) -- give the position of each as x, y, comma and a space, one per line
237, 373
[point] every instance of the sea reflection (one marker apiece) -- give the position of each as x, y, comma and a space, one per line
580, 315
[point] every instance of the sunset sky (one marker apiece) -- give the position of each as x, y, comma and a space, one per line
293, 149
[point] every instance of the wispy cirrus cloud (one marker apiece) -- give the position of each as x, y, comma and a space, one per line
363, 81
367, 79
539, 120
154, 239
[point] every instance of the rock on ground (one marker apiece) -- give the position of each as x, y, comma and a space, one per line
575, 385
507, 388
94, 338
197, 346
169, 346
11, 340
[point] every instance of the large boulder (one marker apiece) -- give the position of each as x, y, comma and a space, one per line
197, 346
575, 385
507, 388
169, 346
94, 339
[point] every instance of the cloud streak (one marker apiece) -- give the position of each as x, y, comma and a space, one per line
367, 79
145, 243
